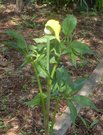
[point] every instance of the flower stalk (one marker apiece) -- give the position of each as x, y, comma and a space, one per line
48, 88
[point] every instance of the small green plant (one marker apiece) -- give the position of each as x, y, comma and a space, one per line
24, 87
99, 4
3, 127
86, 123
1, 124
4, 101
45, 58
82, 5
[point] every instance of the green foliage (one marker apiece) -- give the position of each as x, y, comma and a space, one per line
18, 42
80, 48
84, 101
61, 82
69, 25
99, 4
2, 124
36, 101
95, 122
87, 125
74, 48
30, 24
73, 111
43, 39
77, 85
82, 5
4, 103
63, 74
45, 58
81, 100
57, 3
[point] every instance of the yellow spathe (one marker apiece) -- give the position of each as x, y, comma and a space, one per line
53, 27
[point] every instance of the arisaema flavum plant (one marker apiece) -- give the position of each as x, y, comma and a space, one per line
45, 58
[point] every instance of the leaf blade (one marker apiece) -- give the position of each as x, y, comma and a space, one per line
69, 25
73, 111
84, 101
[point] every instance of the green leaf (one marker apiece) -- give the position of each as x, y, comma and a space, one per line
36, 101
55, 47
53, 60
40, 40
61, 81
41, 47
84, 101
2, 125
32, 47
62, 75
13, 45
30, 58
84, 121
43, 39
69, 25
73, 59
80, 48
42, 71
18, 42
78, 84
77, 50
41, 66
95, 122
73, 111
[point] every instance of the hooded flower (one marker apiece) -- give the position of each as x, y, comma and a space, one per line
53, 27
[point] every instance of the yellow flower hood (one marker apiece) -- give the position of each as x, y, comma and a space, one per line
53, 27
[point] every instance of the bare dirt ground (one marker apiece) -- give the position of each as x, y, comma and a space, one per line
17, 86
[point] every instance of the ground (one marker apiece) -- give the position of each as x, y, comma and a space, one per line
17, 86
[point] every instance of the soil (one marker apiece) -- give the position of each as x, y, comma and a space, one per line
17, 86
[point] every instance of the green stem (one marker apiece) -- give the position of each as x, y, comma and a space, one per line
54, 115
41, 92
48, 54
49, 83
53, 71
48, 89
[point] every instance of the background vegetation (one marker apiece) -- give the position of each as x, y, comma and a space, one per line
80, 5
